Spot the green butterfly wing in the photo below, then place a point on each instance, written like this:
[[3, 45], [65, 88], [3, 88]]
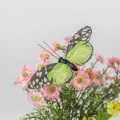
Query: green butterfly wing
[[60, 74], [80, 53]]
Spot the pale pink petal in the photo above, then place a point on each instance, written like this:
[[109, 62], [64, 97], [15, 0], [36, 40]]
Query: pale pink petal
[[25, 84], [107, 76], [16, 80], [99, 57], [90, 72], [118, 68], [111, 62], [54, 45], [116, 78], [63, 47], [67, 39], [97, 78]]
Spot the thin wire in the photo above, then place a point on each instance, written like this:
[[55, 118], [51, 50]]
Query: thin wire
[[47, 51], [51, 48]]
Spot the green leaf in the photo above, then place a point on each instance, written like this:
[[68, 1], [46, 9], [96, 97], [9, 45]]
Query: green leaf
[[102, 115], [100, 112], [97, 117]]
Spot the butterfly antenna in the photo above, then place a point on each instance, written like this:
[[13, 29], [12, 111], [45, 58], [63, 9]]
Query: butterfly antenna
[[51, 48], [47, 51]]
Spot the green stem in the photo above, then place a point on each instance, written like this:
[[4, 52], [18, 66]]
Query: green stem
[[117, 72], [73, 104], [105, 71], [27, 90], [59, 108], [94, 63]]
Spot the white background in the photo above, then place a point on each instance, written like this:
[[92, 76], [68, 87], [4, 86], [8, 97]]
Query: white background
[[25, 23]]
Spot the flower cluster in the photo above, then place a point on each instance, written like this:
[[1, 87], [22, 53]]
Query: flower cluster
[[114, 63], [51, 92], [56, 46], [88, 90]]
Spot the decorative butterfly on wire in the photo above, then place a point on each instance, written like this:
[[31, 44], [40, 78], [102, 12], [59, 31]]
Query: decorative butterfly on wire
[[78, 52]]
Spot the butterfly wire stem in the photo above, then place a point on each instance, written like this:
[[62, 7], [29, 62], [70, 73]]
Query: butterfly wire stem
[[47, 51], [51, 48]]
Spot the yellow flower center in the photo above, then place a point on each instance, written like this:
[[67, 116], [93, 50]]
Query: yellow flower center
[[25, 74], [115, 108], [36, 98], [80, 80], [97, 76], [112, 63], [100, 57], [51, 89], [90, 76]]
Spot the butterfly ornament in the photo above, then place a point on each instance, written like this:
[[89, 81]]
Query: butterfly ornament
[[78, 52]]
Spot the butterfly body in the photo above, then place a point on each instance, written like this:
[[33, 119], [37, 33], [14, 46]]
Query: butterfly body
[[78, 52], [71, 65]]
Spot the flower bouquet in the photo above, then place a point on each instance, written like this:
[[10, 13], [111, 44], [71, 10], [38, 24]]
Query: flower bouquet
[[67, 90]]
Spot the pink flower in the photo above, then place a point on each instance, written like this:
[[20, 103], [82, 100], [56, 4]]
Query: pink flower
[[67, 39], [116, 60], [63, 47], [81, 81], [90, 72], [99, 57], [114, 63], [44, 55], [54, 45], [36, 98], [16, 81], [111, 62], [118, 68], [107, 76], [51, 92], [40, 65], [25, 73], [97, 77]]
